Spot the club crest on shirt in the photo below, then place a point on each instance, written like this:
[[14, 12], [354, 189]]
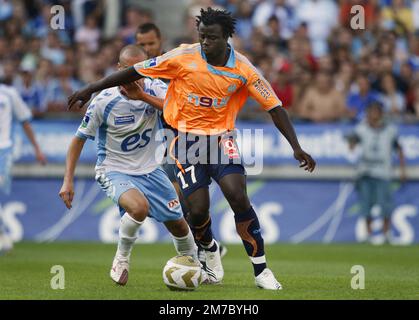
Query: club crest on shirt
[[85, 121]]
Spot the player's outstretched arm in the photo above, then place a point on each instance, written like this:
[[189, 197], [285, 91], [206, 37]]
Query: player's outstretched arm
[[81, 97], [134, 91], [282, 122], [73, 154], [40, 157]]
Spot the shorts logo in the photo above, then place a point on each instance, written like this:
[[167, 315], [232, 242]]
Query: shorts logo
[[124, 120], [230, 148], [149, 63], [173, 204]]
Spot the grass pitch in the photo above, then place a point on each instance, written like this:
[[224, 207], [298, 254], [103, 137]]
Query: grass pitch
[[306, 271]]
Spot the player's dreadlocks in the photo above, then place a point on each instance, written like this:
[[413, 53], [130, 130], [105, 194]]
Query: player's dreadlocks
[[221, 17]]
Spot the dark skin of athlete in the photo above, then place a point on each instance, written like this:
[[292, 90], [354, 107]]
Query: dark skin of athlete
[[215, 46]]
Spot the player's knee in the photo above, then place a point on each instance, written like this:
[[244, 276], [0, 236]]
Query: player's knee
[[138, 209], [198, 209], [239, 201]]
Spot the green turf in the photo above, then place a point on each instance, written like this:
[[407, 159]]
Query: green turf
[[309, 271]]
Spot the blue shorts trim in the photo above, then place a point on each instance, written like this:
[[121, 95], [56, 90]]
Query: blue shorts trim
[[155, 186]]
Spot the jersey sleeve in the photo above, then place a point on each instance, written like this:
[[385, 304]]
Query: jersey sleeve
[[20, 109], [166, 66], [91, 122], [156, 88], [260, 89]]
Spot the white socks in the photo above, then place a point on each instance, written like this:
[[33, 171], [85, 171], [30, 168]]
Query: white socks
[[186, 245], [127, 235]]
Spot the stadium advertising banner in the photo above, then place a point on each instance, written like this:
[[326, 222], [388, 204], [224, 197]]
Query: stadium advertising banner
[[326, 143], [289, 211]]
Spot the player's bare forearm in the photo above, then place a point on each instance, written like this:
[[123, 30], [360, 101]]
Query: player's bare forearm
[[30, 134], [135, 92], [81, 97], [66, 192], [40, 157], [157, 103], [282, 122], [73, 155]]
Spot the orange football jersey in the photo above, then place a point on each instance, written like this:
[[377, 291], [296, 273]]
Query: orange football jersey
[[205, 99]]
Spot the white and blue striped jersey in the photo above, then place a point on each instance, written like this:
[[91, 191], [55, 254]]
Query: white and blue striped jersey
[[376, 146], [126, 130], [12, 107]]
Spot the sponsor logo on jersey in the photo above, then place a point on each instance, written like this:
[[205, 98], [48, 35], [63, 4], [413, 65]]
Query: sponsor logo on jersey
[[136, 141], [149, 63], [124, 120], [85, 121], [260, 87], [207, 101]]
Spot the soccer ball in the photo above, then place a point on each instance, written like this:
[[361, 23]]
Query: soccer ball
[[182, 273]]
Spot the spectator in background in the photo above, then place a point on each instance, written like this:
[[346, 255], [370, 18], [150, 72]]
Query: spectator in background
[[283, 87], [89, 34], [360, 97], [413, 58], [397, 17], [284, 14], [321, 16], [148, 37], [134, 16], [344, 78], [30, 91], [244, 27], [393, 101], [52, 49], [301, 80], [60, 87], [377, 139], [271, 34], [322, 102]]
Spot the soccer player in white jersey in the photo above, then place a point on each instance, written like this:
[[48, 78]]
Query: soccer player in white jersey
[[127, 167], [12, 108]]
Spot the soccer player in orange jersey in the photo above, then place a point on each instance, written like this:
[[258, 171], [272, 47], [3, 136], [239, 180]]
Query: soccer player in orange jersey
[[149, 38], [210, 82]]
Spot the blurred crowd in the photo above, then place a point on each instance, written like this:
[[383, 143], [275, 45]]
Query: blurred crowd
[[320, 64]]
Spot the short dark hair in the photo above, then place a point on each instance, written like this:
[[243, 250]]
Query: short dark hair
[[147, 27], [375, 104], [212, 16]]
